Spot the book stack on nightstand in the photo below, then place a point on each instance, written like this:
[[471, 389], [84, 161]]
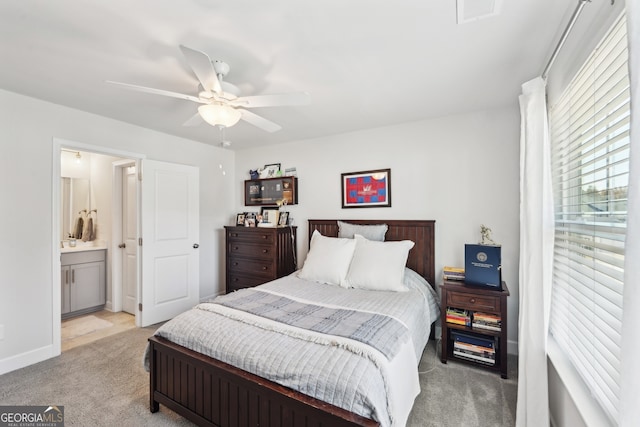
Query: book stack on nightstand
[[458, 316], [475, 348], [488, 321]]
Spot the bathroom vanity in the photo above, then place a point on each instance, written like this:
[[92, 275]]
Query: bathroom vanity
[[83, 281]]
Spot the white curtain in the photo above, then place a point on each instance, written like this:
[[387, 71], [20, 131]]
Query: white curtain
[[536, 256], [630, 366]]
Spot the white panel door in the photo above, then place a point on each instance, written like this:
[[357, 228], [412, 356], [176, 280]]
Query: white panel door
[[170, 232], [129, 240]]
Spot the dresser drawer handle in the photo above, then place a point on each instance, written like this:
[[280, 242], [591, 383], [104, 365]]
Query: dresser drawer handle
[[264, 236], [264, 268], [472, 300], [234, 234], [235, 263], [264, 251]]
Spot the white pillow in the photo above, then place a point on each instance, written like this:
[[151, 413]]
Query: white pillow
[[378, 266], [371, 232], [328, 259]]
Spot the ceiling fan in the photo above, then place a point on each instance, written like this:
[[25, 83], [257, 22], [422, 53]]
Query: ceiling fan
[[221, 105]]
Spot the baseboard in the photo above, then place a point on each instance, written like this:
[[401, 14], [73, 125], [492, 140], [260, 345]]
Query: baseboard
[[25, 359]]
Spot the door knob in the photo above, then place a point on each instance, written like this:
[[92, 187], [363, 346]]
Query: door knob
[[196, 246], [122, 245]]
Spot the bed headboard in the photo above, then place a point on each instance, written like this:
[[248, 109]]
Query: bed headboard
[[422, 232]]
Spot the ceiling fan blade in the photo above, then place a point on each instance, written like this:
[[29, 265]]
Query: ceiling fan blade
[[195, 120], [258, 121], [294, 98], [158, 91], [201, 65]]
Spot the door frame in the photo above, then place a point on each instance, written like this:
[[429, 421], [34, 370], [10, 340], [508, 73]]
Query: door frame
[[57, 145]]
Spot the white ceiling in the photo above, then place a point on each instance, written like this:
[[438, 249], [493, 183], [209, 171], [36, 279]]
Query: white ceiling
[[365, 63]]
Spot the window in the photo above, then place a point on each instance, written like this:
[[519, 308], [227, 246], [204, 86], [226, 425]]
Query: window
[[589, 129]]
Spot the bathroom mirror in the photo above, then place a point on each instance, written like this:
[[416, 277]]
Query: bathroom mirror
[[76, 197]]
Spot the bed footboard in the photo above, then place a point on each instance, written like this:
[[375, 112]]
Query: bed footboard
[[209, 392]]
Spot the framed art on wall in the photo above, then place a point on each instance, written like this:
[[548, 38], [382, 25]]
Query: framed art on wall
[[268, 192], [366, 189]]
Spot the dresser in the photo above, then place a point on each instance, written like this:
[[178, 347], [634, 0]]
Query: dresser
[[256, 255]]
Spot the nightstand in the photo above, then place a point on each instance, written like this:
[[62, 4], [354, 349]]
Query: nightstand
[[472, 299]]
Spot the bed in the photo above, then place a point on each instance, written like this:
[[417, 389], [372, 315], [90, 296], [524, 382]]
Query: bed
[[197, 384]]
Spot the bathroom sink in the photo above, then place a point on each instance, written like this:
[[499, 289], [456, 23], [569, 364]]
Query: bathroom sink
[[82, 246]]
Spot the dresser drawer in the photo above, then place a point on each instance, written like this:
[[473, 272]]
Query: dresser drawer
[[252, 235], [239, 281], [473, 302], [250, 250], [257, 267]]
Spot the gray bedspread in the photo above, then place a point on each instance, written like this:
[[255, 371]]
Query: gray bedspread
[[337, 370], [384, 333]]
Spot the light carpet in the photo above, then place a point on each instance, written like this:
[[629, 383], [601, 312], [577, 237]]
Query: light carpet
[[104, 384]]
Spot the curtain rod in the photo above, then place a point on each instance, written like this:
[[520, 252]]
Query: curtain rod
[[563, 38]]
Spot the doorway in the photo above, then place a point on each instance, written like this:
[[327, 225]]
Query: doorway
[[104, 169], [170, 260]]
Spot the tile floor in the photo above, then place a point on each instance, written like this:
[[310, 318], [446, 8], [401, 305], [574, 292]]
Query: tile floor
[[120, 321]]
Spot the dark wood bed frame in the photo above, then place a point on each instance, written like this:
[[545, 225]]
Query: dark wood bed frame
[[209, 392]]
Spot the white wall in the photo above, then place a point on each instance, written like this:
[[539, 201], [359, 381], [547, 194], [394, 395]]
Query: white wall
[[462, 171], [27, 129]]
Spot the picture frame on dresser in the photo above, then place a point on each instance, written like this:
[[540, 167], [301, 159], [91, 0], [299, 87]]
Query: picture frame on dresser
[[283, 221], [270, 217], [240, 219]]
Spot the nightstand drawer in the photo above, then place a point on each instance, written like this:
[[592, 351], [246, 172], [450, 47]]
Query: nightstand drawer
[[257, 267], [473, 302], [251, 251]]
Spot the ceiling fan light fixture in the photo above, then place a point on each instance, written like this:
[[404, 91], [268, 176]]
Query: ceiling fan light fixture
[[219, 114]]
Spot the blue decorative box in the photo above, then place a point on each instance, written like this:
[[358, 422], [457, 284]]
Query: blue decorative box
[[483, 266]]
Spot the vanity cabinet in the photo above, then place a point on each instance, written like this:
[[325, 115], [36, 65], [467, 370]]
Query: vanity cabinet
[[83, 282]]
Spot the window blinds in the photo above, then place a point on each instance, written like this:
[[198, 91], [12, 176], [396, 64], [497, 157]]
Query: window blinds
[[589, 129]]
